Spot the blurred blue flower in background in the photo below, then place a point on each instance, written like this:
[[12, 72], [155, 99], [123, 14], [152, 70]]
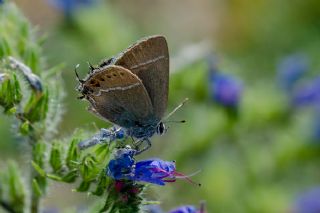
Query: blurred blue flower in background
[[225, 89], [308, 202], [291, 69], [181, 209], [68, 7], [316, 124], [184, 209], [153, 209], [308, 94]]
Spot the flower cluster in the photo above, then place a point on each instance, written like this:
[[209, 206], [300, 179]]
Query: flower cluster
[[291, 71], [301, 90], [126, 172]]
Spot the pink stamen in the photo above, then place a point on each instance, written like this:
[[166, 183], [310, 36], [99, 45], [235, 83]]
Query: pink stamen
[[170, 180], [180, 175]]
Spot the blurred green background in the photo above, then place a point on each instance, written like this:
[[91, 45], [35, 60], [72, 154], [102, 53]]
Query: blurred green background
[[259, 161]]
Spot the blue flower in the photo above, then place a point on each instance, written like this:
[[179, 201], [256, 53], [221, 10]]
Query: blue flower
[[122, 166], [185, 209], [69, 6], [156, 171], [225, 89], [308, 202], [291, 69], [308, 94]]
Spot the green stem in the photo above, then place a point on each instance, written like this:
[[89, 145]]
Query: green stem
[[34, 202]]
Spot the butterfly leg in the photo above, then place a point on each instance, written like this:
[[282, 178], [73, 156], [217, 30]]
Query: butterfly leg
[[148, 145]]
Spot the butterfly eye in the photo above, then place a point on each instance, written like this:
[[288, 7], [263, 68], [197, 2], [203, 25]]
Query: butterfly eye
[[161, 129]]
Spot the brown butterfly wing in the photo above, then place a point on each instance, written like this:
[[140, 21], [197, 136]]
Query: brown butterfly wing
[[118, 96], [149, 60]]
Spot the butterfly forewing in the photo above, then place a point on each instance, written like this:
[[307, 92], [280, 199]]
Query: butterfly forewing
[[119, 96], [149, 60]]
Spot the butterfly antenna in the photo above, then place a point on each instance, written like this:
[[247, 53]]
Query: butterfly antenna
[[175, 109], [90, 66], [75, 70], [182, 121]]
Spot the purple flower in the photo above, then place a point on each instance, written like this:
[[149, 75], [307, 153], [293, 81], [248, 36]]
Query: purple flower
[[225, 89], [69, 6], [307, 94], [308, 202], [291, 69], [155, 171]]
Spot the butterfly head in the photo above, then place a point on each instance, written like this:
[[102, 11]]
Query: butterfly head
[[82, 87]]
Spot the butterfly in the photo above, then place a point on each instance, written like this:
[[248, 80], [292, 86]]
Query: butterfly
[[131, 89]]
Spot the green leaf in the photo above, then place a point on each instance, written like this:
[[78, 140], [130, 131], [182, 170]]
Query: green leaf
[[36, 188], [17, 193], [10, 93], [55, 177], [5, 49], [89, 168], [25, 128], [37, 107], [32, 59], [56, 157], [103, 182], [73, 155], [84, 186], [71, 176], [40, 171]]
